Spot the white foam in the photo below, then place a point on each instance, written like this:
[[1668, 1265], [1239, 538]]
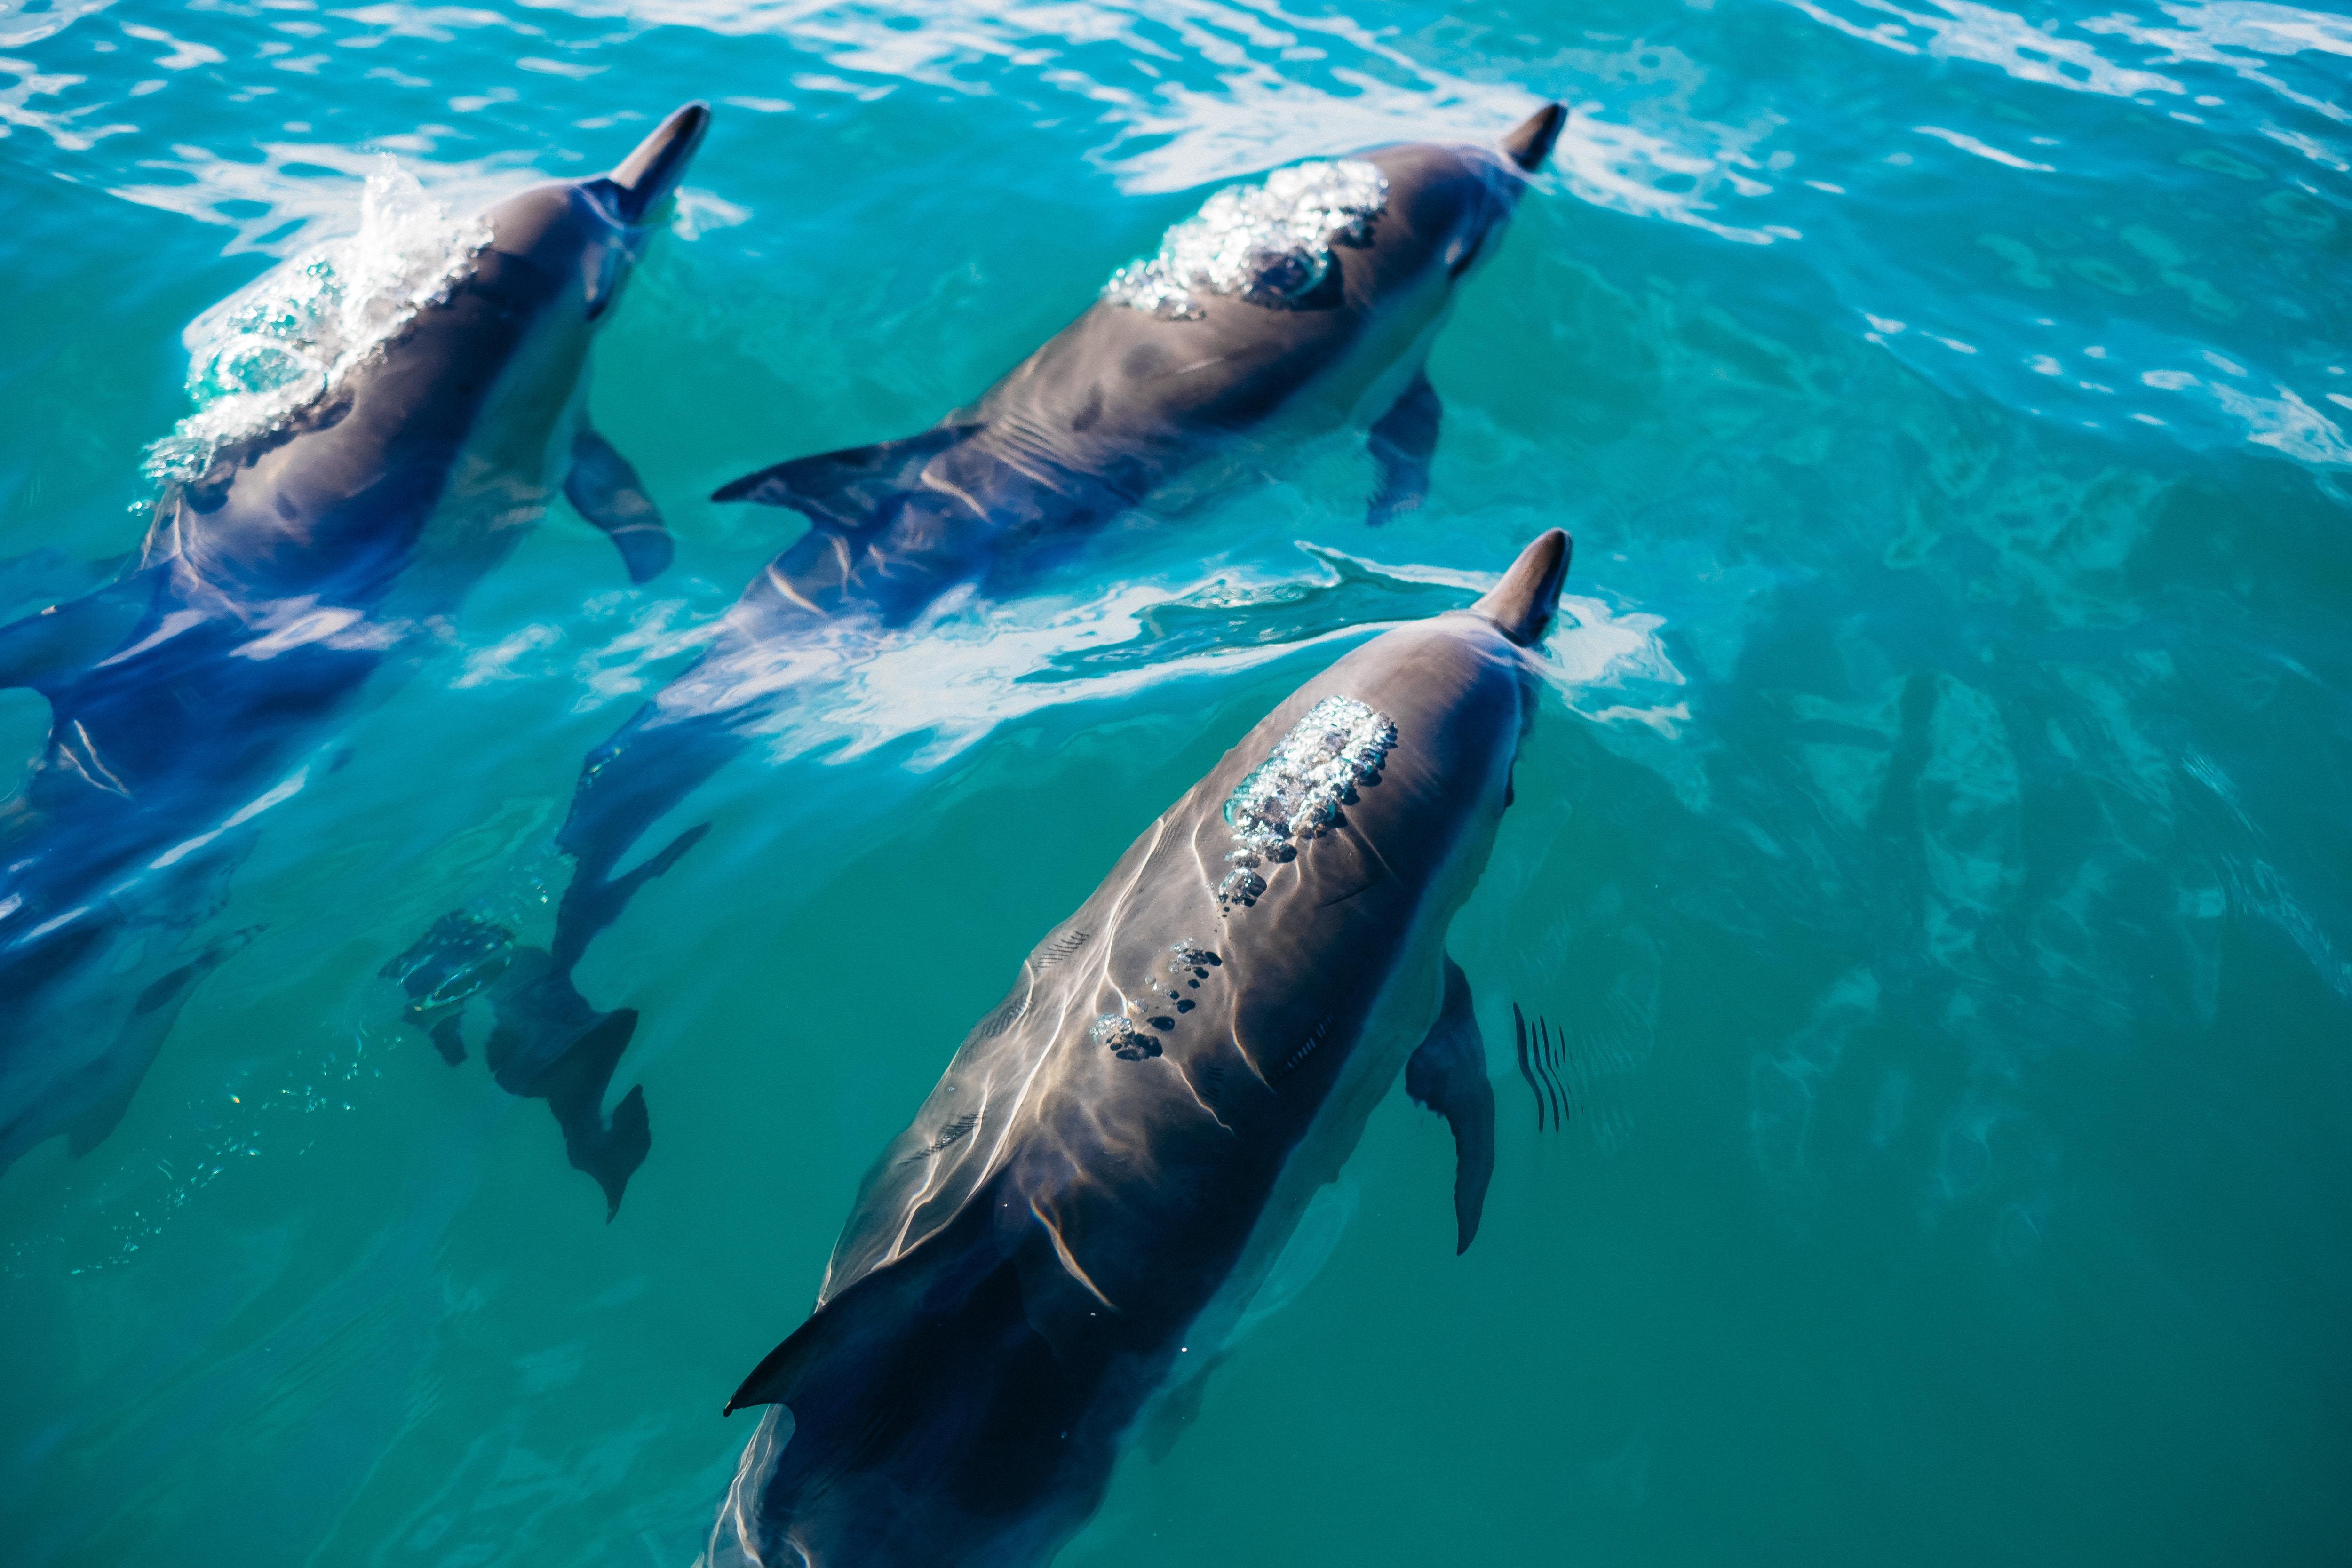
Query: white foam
[[2285, 424], [1269, 242], [934, 689], [2002, 39], [2225, 34], [289, 337], [1225, 92]]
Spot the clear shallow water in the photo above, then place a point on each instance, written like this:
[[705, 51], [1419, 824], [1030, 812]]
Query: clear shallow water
[[1933, 855]]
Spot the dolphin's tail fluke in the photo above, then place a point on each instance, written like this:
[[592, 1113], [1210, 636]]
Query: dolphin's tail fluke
[[1522, 605], [608, 1151], [546, 1043], [549, 1043], [852, 488]]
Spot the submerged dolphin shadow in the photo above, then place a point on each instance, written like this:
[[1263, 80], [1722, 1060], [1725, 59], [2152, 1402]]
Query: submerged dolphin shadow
[[546, 1042]]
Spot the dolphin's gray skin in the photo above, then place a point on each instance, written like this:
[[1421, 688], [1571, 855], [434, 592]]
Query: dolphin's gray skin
[[270, 591], [1113, 409], [1124, 400], [1090, 1197]]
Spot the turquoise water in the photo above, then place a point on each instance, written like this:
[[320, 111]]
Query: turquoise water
[[1933, 849]]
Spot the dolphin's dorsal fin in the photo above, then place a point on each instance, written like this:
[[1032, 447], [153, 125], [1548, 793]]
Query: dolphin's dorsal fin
[[1521, 605], [1448, 1075], [847, 490], [650, 173], [603, 489], [42, 651], [1529, 142]]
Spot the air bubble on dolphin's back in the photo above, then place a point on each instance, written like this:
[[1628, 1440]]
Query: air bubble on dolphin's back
[[1297, 793], [1269, 242], [288, 338]]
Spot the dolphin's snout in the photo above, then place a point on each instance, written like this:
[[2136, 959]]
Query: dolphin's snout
[[643, 179], [1530, 142], [1522, 605]]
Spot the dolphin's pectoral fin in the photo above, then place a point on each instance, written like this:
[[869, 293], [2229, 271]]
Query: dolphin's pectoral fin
[[1448, 1075], [94, 1126], [603, 489], [846, 489], [895, 1306], [100, 1120], [1402, 443], [41, 651]]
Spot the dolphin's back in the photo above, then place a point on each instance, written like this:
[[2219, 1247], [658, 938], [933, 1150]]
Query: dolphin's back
[[1124, 400], [334, 500], [1121, 386], [1247, 995], [271, 588], [1127, 1135]]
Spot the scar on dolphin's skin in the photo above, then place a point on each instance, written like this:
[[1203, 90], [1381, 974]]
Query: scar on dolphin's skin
[[1548, 1057], [1060, 948], [956, 1130]]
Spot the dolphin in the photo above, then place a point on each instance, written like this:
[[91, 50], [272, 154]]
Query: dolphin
[[1075, 1224], [1287, 307], [1282, 308], [273, 587]]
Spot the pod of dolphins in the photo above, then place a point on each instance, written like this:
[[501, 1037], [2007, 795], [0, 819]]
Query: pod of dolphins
[[1060, 1247]]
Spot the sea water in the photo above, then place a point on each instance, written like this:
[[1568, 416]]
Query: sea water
[[1930, 864]]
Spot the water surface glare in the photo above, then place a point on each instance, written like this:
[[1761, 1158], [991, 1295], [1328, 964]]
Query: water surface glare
[[1931, 860]]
